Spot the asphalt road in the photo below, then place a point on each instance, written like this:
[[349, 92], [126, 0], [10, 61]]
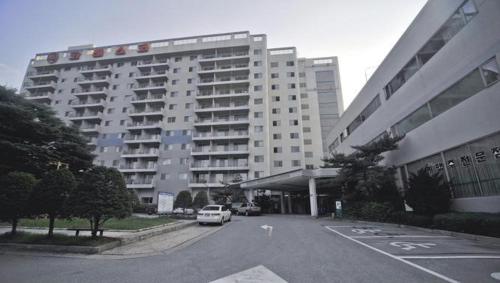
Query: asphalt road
[[299, 249]]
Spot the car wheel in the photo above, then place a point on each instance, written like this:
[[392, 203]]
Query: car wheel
[[229, 220], [246, 213], [221, 221]]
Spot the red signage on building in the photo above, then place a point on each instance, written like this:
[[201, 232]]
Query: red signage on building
[[143, 47], [74, 55], [98, 52], [52, 58], [120, 51]]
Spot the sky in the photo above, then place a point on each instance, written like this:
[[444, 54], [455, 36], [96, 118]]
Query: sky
[[359, 32]]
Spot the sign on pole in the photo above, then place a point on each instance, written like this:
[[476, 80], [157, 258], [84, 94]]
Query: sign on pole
[[165, 202], [338, 208]]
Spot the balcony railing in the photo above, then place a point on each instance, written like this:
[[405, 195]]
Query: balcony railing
[[144, 124], [228, 93], [138, 166], [150, 74], [91, 90], [88, 102], [43, 73], [224, 55], [150, 151], [140, 182], [219, 165], [149, 97], [152, 85], [142, 137], [93, 79], [145, 111]]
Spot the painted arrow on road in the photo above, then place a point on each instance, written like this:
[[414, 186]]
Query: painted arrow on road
[[268, 228]]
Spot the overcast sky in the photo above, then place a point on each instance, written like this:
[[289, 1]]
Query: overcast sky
[[359, 32]]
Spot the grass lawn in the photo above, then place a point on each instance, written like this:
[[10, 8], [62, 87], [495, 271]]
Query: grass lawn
[[131, 223], [58, 239]]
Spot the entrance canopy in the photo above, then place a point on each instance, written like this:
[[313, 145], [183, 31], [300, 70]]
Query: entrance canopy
[[295, 180]]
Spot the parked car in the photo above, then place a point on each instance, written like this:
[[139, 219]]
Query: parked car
[[234, 207], [213, 214], [189, 211], [248, 209], [178, 210]]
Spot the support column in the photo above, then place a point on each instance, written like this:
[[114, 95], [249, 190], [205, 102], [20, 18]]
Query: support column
[[289, 203], [313, 197], [250, 195], [282, 202]]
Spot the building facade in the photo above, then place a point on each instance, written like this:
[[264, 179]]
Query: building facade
[[439, 87], [192, 113]]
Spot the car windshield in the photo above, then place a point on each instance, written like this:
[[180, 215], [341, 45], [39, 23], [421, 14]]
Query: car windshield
[[211, 208]]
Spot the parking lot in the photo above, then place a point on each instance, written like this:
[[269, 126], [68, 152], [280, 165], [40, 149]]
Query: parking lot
[[449, 258]]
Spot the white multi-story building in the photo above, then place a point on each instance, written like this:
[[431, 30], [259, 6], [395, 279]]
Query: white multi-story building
[[439, 87], [192, 113]]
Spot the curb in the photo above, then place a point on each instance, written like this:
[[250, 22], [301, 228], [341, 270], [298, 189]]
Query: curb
[[473, 237], [106, 230], [98, 249]]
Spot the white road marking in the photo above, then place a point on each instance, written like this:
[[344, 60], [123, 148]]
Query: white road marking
[[495, 275], [268, 228], [399, 236], [362, 231], [253, 275], [451, 257], [447, 279], [408, 246]]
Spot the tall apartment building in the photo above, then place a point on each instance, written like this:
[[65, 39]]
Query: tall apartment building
[[439, 87], [192, 113]]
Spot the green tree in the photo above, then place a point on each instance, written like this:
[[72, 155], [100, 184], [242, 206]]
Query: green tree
[[200, 200], [15, 190], [427, 193], [51, 194], [33, 140], [100, 196], [183, 200], [361, 177]]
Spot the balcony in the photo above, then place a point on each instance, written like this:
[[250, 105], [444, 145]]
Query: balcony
[[146, 112], [42, 97], [134, 167], [219, 166], [93, 80], [223, 81], [223, 69], [90, 128], [222, 107], [225, 56], [209, 94], [152, 86], [147, 98], [96, 69], [140, 184], [144, 125], [85, 116], [92, 141], [151, 75], [234, 120], [40, 85], [52, 74], [88, 103], [136, 153], [142, 138], [228, 150], [201, 136], [153, 63], [95, 91]]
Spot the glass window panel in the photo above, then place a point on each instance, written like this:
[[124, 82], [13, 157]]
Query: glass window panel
[[452, 26], [416, 119], [469, 10], [463, 89], [461, 172], [490, 71], [410, 69], [433, 164], [486, 156]]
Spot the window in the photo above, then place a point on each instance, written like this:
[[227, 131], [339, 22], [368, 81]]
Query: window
[[276, 123], [490, 72], [305, 117], [117, 76], [186, 132], [193, 57], [414, 120], [290, 74], [185, 146], [107, 123], [277, 149], [275, 75], [169, 133], [57, 101], [111, 110], [258, 143], [258, 174], [290, 64], [122, 122], [258, 114], [187, 105], [258, 129], [294, 135], [295, 149], [259, 158], [258, 101], [292, 110], [130, 75], [276, 136], [174, 82], [304, 106], [308, 154], [309, 166], [183, 176], [302, 75], [184, 161], [178, 59], [307, 141], [120, 64], [115, 87], [303, 95], [295, 163], [112, 98], [124, 110], [163, 176], [176, 70], [278, 163], [291, 86], [186, 118], [275, 98], [172, 106], [257, 75], [174, 94], [190, 69], [367, 111], [168, 147], [292, 97], [257, 88], [257, 51], [293, 122], [257, 63], [275, 87], [274, 64], [189, 81], [171, 120], [306, 129], [276, 111]]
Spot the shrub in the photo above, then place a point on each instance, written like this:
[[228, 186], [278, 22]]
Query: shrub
[[375, 211], [475, 223], [428, 194], [200, 200], [183, 200], [416, 219]]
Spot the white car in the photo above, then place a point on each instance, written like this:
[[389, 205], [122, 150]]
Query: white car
[[213, 214], [178, 210]]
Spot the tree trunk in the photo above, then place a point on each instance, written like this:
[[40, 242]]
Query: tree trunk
[[51, 225], [14, 227], [95, 228]]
